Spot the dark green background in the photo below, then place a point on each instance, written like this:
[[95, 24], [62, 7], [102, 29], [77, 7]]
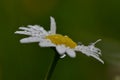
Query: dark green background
[[82, 20]]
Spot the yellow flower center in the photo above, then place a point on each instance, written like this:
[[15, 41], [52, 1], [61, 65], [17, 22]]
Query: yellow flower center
[[60, 39]]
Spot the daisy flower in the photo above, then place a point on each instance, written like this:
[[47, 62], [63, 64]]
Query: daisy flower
[[64, 45]]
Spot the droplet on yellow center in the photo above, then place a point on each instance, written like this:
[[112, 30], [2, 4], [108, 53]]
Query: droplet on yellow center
[[60, 39]]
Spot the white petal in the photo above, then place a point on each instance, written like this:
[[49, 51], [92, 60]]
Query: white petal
[[52, 26], [97, 57], [89, 50], [25, 28], [30, 40], [23, 32], [35, 27], [37, 30], [46, 43], [60, 49], [84, 49], [96, 41], [71, 53], [62, 56]]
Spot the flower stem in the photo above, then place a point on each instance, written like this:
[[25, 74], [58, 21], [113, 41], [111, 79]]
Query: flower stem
[[52, 66]]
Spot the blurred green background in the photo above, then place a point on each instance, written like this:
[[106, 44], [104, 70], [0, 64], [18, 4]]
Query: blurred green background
[[83, 20]]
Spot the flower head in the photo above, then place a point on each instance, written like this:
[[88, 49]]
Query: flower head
[[63, 44]]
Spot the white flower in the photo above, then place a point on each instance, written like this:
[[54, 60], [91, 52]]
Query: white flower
[[63, 44]]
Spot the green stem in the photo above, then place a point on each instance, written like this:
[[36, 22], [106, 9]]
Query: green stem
[[52, 66]]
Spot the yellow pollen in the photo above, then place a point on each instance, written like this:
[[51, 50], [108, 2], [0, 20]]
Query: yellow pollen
[[60, 39]]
